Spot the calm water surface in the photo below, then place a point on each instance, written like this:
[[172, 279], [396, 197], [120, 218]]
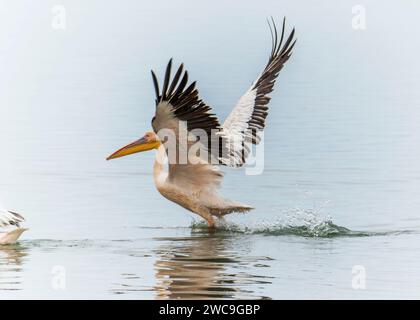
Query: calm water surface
[[341, 181]]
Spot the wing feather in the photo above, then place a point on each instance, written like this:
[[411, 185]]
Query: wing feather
[[182, 103], [180, 109], [243, 125]]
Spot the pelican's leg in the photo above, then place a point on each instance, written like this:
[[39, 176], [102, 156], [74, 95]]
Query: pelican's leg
[[206, 215], [211, 222]]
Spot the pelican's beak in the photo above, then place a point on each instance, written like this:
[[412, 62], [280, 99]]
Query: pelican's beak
[[134, 147]]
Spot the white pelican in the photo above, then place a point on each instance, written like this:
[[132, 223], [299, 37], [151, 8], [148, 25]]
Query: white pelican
[[193, 183], [10, 221]]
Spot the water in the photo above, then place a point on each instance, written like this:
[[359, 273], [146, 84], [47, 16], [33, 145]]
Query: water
[[340, 187]]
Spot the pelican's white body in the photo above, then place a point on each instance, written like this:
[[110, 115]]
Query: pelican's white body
[[11, 236], [180, 119]]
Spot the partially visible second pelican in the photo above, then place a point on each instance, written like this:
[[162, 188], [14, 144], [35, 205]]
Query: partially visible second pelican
[[193, 183], [10, 223]]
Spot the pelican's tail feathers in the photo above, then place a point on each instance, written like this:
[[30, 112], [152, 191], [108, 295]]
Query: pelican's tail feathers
[[230, 207]]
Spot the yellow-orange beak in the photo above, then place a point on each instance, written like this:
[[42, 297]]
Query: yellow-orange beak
[[134, 147]]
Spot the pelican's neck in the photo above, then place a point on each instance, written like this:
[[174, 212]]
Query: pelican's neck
[[159, 173]]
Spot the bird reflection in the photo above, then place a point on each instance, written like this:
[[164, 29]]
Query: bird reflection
[[202, 267], [11, 266]]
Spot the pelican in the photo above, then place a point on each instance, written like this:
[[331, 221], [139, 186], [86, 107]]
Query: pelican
[[194, 182], [10, 222]]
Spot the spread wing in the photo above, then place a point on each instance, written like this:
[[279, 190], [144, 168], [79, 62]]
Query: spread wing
[[189, 130], [185, 123], [247, 119]]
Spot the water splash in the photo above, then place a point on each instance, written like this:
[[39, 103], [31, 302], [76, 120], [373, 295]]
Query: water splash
[[295, 222]]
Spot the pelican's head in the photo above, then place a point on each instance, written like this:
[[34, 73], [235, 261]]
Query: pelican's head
[[149, 141]]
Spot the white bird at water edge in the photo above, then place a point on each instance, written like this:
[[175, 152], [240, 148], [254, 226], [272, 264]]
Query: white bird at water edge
[[193, 184], [10, 229]]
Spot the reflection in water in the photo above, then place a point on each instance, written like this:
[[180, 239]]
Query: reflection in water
[[11, 260], [204, 266], [199, 266]]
